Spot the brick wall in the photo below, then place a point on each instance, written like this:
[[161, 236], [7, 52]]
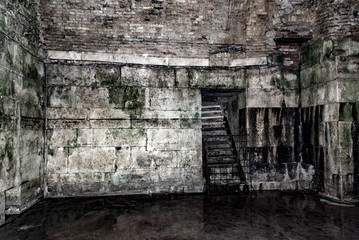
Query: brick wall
[[195, 28]]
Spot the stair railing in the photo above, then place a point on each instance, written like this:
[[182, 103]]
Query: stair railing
[[239, 166]]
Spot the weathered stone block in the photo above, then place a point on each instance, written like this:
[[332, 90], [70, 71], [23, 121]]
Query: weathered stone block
[[104, 124], [345, 156], [123, 160], [89, 97], [108, 113], [57, 160], [332, 133], [162, 114], [8, 106], [129, 98], [84, 137], [331, 112], [173, 139], [189, 159], [11, 83], [67, 113], [119, 137], [318, 74], [345, 139], [348, 67], [67, 124], [255, 79], [61, 97], [167, 174], [266, 97], [291, 98], [163, 158], [217, 79], [156, 123], [347, 112], [182, 78], [61, 137], [31, 111], [332, 92], [147, 77], [81, 160], [32, 163], [105, 75], [71, 75], [103, 159], [175, 99], [348, 91]]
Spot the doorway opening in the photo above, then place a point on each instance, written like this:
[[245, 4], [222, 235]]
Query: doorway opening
[[225, 166]]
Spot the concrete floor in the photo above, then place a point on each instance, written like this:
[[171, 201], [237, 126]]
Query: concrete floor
[[272, 215]]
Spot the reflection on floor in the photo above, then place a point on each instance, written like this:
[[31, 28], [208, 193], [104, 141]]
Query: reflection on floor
[[272, 215]]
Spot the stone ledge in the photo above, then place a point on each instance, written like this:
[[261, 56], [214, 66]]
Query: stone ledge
[[145, 60]]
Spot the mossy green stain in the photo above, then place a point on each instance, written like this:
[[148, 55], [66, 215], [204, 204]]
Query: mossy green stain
[[202, 78], [130, 99], [186, 123], [32, 79], [116, 96], [108, 79]]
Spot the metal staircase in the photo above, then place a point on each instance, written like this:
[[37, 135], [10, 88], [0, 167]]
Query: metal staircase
[[222, 167]]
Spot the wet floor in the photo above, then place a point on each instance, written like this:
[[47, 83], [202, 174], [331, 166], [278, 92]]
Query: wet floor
[[272, 215]]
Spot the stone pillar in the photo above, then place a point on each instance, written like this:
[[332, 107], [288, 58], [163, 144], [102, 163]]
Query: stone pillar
[[329, 98]]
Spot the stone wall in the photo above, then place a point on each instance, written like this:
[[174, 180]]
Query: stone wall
[[273, 129], [329, 79], [117, 129], [123, 94], [104, 112], [122, 129], [21, 106]]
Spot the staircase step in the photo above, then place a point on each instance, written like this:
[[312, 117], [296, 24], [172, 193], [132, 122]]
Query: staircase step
[[214, 129], [217, 142], [212, 123], [212, 117], [228, 152], [209, 127], [210, 105], [222, 159], [211, 109], [221, 148], [216, 136], [223, 164]]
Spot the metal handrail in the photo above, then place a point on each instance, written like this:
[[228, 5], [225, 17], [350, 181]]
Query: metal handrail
[[239, 166]]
